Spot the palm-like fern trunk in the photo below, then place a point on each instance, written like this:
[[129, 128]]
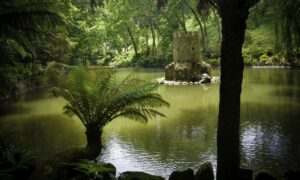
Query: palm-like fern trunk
[[94, 143]]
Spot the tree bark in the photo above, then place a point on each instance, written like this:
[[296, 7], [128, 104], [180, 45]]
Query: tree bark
[[132, 39], [153, 38], [182, 23], [203, 39], [94, 143], [234, 14], [147, 43], [218, 25]]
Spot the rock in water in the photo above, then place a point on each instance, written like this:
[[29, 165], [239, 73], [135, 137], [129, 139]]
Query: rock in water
[[186, 71], [182, 175], [205, 172], [138, 176], [264, 176], [205, 78]]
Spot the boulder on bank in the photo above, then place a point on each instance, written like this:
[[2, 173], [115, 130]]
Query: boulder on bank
[[205, 78], [134, 175], [205, 172], [264, 176], [246, 174], [186, 71], [169, 71], [292, 175], [87, 170], [182, 175]]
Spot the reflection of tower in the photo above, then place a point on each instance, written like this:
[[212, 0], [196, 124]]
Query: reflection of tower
[[186, 47]]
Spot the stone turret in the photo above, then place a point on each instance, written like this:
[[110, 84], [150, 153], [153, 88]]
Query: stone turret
[[186, 47], [187, 65]]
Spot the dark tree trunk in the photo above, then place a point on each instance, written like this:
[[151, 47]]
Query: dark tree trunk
[[182, 23], [147, 44], [203, 39], [234, 14], [94, 143], [133, 41], [218, 25], [153, 38], [277, 40]]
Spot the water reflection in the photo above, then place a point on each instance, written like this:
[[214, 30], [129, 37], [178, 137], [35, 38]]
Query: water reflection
[[187, 137], [45, 134], [269, 137]]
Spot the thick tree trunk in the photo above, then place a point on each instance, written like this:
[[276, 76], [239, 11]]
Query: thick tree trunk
[[234, 14], [94, 143]]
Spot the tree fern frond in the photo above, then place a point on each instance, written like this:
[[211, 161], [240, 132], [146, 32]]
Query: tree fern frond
[[133, 114], [70, 111], [98, 98]]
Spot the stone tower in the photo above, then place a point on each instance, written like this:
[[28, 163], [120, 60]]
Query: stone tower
[[187, 65], [186, 47]]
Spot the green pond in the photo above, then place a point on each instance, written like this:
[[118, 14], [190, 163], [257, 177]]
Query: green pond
[[270, 126]]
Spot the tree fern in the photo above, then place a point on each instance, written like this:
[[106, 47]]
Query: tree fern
[[97, 98]]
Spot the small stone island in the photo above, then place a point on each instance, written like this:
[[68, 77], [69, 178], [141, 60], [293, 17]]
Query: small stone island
[[187, 68]]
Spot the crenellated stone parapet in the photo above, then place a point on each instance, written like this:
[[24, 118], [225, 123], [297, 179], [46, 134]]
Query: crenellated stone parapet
[[186, 47]]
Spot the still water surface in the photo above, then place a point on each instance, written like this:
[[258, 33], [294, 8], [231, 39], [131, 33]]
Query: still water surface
[[270, 126]]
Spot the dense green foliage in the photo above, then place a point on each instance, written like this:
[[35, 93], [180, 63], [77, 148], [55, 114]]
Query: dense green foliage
[[132, 33], [140, 32], [90, 167], [97, 98], [31, 33], [14, 162]]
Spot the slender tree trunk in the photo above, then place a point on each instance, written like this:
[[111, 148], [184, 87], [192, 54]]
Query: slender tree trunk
[[203, 39], [94, 143], [153, 38], [182, 23], [132, 39], [288, 42], [205, 31], [218, 25], [234, 14], [277, 40], [147, 44]]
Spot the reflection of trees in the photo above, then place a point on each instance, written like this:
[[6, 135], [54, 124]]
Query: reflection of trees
[[46, 134], [292, 94], [7, 109], [269, 135], [182, 137], [272, 76]]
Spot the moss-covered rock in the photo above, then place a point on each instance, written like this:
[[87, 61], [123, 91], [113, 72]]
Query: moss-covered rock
[[182, 175], [187, 71], [130, 175], [264, 176], [246, 174], [205, 172]]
